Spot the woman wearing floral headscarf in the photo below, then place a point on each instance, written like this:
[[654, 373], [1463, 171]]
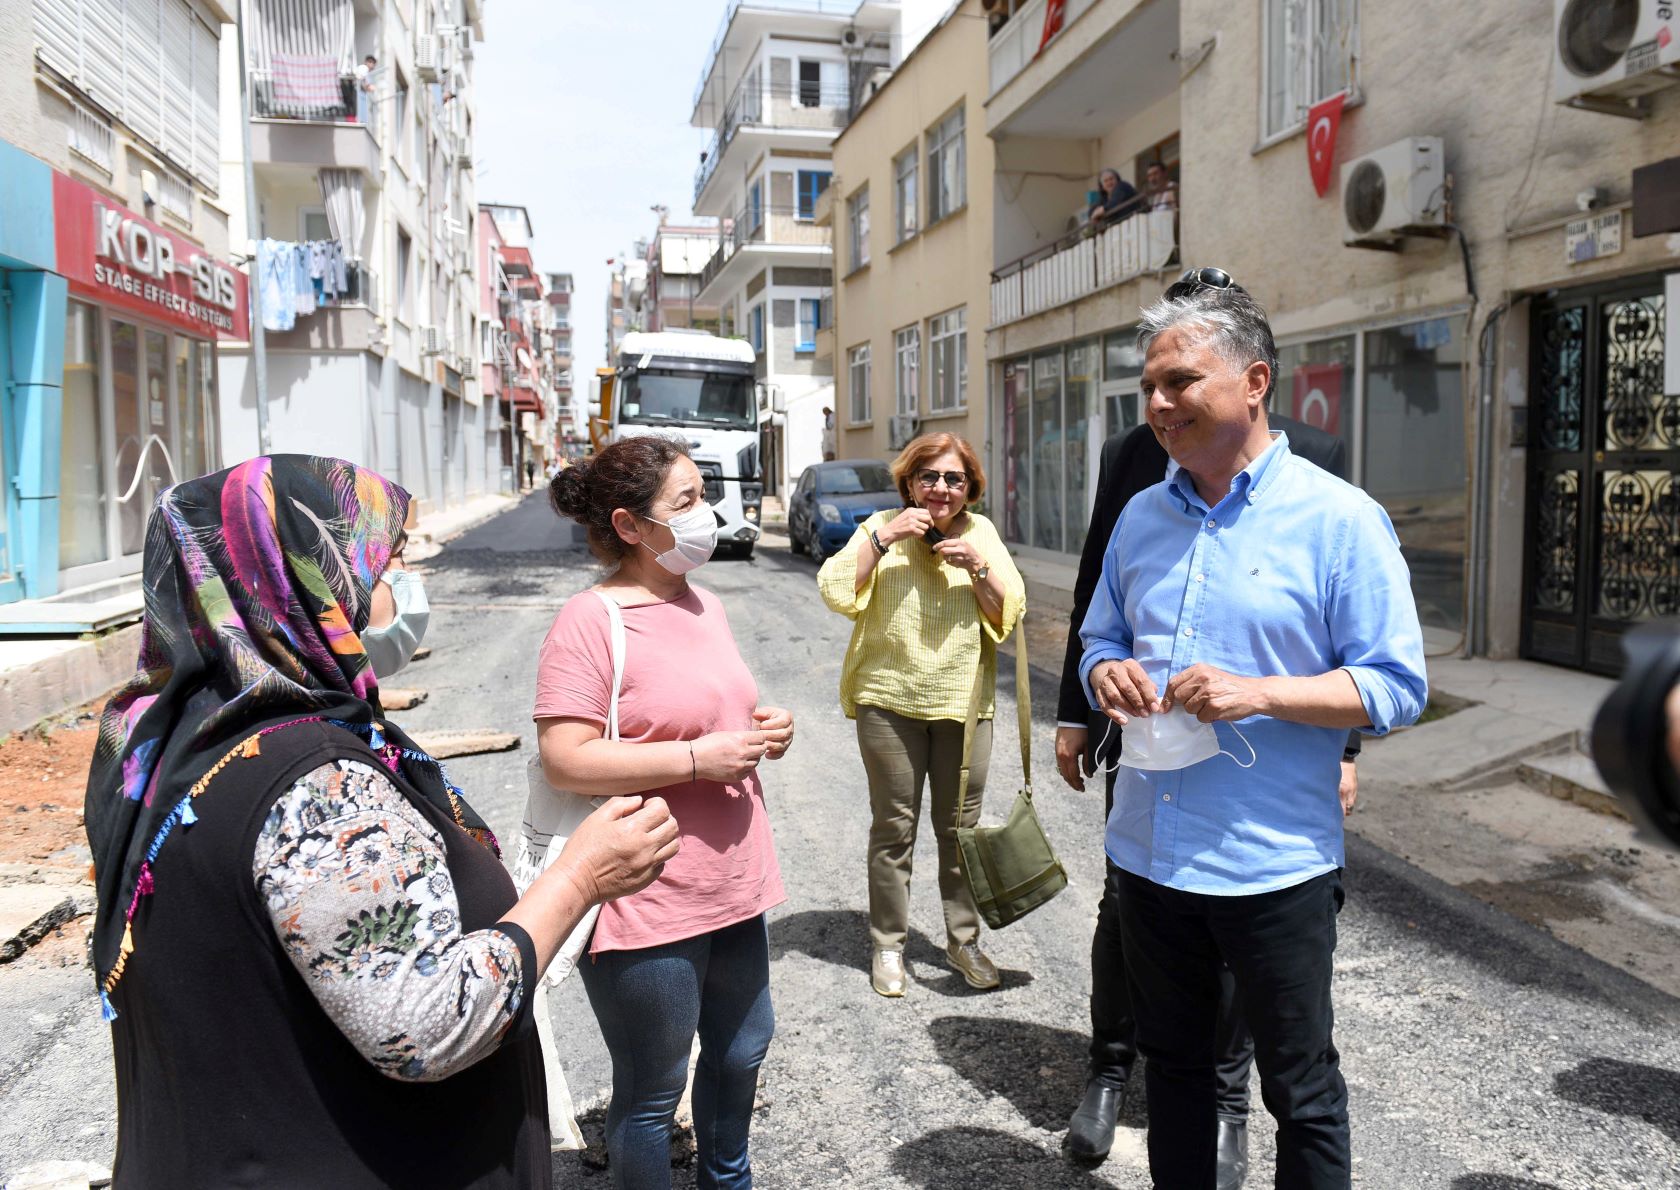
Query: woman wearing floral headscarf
[[315, 965]]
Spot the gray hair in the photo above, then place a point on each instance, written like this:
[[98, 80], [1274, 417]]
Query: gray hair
[[1228, 320]]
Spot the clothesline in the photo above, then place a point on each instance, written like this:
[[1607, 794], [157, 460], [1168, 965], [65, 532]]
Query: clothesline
[[296, 278]]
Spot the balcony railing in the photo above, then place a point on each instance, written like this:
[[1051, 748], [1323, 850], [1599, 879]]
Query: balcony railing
[[344, 102], [840, 8], [1017, 43], [763, 225], [1081, 264], [800, 106]]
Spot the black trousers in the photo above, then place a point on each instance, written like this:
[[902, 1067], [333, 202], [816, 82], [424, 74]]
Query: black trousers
[[1114, 1029], [1278, 947]]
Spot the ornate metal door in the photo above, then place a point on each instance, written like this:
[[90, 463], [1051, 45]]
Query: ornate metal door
[[1603, 532]]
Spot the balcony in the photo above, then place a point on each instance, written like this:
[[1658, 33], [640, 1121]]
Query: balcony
[[339, 128], [786, 117], [786, 17], [346, 323], [1018, 42], [761, 236], [1081, 264]]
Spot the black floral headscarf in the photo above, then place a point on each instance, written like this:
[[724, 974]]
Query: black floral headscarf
[[258, 582]]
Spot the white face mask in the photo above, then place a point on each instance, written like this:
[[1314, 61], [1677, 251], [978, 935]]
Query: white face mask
[[392, 647], [1171, 740], [696, 537]]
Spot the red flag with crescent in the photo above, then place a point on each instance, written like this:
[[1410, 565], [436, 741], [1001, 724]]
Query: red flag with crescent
[[1324, 120], [1054, 12]]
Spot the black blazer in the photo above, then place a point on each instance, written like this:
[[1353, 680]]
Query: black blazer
[[1133, 460]]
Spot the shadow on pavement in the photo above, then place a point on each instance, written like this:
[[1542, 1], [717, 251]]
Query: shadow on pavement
[[1647, 1093], [1040, 1070], [962, 1158], [1497, 1181], [841, 937]]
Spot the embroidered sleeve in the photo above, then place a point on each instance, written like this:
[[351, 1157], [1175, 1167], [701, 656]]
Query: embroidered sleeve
[[362, 901]]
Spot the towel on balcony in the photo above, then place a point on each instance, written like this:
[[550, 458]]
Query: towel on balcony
[[307, 86], [274, 278]]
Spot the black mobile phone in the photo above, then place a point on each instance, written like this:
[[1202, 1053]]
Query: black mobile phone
[[933, 536]]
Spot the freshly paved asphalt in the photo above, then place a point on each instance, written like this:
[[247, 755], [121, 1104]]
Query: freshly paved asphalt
[[1481, 1053]]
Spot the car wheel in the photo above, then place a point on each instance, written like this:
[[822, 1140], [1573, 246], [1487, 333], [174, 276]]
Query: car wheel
[[795, 543], [818, 554]]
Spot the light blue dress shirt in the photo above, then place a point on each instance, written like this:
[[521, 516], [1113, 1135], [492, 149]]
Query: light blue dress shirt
[[1294, 572]]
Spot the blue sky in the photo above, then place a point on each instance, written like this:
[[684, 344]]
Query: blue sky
[[583, 118]]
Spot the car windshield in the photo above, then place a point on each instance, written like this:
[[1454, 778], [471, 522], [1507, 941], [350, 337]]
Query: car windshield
[[655, 397], [859, 477]]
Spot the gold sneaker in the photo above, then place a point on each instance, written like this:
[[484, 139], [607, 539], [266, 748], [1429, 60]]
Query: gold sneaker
[[886, 972], [968, 960]]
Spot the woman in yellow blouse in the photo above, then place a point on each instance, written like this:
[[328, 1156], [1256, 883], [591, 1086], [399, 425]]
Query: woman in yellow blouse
[[926, 616]]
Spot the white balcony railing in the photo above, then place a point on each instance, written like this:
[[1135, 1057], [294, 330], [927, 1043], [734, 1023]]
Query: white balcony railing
[[1086, 265], [1017, 43]]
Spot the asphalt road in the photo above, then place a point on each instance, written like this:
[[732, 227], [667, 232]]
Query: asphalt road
[[1481, 1053]]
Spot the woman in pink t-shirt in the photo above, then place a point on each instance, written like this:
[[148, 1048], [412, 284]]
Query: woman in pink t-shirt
[[690, 951]]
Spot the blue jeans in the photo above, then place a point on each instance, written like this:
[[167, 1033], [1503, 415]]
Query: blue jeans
[[649, 1004]]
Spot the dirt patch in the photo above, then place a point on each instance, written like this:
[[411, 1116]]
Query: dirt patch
[[1540, 901], [43, 779]]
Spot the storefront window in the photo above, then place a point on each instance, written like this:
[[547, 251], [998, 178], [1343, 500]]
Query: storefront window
[[129, 421], [194, 419], [1047, 451], [160, 449], [1316, 383], [82, 500], [1414, 398], [1084, 437], [1017, 482]]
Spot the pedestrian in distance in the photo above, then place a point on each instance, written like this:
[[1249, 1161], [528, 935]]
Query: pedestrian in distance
[[1131, 461], [1253, 590], [316, 967], [932, 591], [689, 952]]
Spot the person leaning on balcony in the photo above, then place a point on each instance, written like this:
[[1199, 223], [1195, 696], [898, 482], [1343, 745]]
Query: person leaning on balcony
[[1116, 201], [1160, 192], [927, 619], [315, 966]]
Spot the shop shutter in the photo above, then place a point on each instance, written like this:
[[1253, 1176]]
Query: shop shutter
[[206, 127], [143, 70], [58, 36], [102, 52], [177, 31]]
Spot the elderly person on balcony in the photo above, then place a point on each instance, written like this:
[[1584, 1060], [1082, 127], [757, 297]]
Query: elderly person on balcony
[[1116, 202]]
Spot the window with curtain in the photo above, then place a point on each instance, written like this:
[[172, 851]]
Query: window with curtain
[[1311, 52], [948, 359], [857, 220], [907, 358], [947, 177], [810, 322], [857, 382], [811, 184], [904, 194], [755, 328]]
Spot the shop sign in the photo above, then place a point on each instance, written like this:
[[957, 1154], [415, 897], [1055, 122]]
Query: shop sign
[[113, 256], [1589, 239]]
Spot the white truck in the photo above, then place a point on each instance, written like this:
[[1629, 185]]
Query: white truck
[[699, 387]]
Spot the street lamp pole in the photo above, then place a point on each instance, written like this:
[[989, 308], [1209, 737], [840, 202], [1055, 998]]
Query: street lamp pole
[[259, 338]]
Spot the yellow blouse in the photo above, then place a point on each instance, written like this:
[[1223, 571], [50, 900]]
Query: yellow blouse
[[917, 623]]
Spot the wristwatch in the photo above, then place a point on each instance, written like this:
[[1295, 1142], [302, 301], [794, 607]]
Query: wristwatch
[[980, 575]]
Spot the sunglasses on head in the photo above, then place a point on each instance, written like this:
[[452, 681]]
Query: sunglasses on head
[[955, 480], [1196, 280]]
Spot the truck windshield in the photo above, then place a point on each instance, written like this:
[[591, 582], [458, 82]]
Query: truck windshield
[[654, 397]]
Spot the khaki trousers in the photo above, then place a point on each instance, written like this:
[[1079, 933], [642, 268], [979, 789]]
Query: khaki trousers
[[900, 755]]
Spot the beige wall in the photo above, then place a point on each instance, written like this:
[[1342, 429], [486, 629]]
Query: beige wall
[[941, 267]]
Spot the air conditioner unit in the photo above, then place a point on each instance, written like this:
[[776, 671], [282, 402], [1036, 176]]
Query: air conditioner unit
[[1606, 50], [900, 430], [851, 38], [1395, 191], [431, 340], [463, 152], [426, 58]]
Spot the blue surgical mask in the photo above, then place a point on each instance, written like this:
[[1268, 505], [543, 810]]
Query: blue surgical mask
[[392, 647]]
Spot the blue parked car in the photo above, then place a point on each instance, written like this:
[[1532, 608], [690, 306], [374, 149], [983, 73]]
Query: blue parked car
[[832, 499]]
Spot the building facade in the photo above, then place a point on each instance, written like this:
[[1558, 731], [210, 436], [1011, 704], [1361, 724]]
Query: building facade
[[117, 289], [676, 257], [1497, 368], [572, 420], [365, 246], [910, 210]]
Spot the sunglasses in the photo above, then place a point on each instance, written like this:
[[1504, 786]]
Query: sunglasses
[[1196, 280], [955, 480]]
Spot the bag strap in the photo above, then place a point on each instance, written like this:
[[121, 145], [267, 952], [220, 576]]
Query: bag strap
[[616, 617], [1023, 709]]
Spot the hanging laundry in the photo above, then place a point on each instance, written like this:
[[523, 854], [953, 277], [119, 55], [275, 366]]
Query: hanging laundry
[[275, 282], [303, 291], [306, 86]]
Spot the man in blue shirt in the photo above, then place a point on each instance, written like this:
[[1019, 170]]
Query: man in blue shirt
[[1253, 593]]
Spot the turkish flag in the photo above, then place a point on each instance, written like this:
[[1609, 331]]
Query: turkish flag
[[1318, 396], [1054, 11], [1324, 119]]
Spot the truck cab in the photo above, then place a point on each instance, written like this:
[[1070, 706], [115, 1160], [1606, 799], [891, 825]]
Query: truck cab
[[701, 388]]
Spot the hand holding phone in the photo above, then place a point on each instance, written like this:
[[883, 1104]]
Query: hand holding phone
[[933, 536]]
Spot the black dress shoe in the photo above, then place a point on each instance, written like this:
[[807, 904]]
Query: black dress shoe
[[1091, 1131], [1233, 1153]]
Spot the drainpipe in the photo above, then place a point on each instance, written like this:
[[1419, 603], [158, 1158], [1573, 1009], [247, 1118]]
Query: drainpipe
[[1481, 485], [259, 337]]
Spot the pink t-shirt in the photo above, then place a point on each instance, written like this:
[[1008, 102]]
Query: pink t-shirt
[[683, 678]]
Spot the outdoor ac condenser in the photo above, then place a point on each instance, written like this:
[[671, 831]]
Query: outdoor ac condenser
[[426, 57], [1607, 51], [1399, 188], [900, 430]]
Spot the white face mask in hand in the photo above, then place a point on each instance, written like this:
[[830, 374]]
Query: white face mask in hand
[[696, 537], [1170, 740]]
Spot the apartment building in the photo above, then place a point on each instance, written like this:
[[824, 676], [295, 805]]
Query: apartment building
[[910, 209], [117, 292], [1478, 302], [779, 84], [572, 419], [363, 245], [676, 256]]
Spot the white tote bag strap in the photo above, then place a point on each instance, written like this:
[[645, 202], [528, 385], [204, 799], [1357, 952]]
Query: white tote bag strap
[[616, 616]]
